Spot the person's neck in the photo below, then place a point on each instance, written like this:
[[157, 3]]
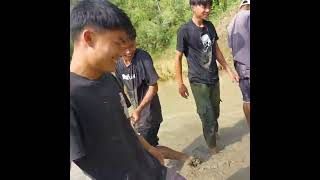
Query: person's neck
[[127, 61], [197, 21], [244, 8], [80, 67]]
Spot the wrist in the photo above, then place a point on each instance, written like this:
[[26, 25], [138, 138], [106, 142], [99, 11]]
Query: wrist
[[149, 148], [228, 69], [138, 110], [180, 84]]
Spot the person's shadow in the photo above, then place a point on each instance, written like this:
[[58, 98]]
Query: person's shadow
[[198, 147]]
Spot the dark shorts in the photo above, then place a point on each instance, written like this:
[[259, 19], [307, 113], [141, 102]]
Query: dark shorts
[[150, 134], [244, 82]]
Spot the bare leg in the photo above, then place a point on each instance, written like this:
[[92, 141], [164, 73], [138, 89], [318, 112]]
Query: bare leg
[[246, 109], [169, 153]]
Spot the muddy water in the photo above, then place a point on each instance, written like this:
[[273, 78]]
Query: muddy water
[[182, 131]]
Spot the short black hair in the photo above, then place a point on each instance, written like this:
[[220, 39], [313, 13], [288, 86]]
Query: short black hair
[[132, 35], [200, 2], [100, 14]]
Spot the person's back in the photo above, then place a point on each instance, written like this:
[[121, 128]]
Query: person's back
[[239, 37]]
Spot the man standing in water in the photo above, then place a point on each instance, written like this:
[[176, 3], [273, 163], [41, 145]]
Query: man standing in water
[[197, 40]]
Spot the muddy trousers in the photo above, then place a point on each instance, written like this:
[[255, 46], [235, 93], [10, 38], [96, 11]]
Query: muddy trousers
[[207, 98]]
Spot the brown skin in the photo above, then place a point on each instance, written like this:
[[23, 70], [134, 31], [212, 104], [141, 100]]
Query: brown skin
[[152, 150], [233, 76], [245, 7], [199, 13], [95, 53], [246, 110]]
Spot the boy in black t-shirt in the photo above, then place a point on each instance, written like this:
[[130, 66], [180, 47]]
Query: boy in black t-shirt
[[102, 141], [136, 72], [197, 40]]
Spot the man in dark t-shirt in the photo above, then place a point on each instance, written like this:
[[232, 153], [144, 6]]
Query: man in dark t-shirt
[[197, 40], [136, 72], [102, 141]]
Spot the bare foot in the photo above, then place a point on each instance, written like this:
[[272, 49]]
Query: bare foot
[[214, 150]]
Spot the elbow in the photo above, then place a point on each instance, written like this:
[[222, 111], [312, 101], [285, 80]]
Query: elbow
[[178, 56], [155, 90]]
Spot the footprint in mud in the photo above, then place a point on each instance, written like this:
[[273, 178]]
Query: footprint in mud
[[194, 162]]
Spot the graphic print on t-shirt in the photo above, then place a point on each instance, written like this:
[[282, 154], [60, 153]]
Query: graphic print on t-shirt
[[131, 80], [205, 39], [128, 76], [207, 51]]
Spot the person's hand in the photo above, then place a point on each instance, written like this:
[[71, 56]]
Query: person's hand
[[233, 76], [135, 116], [220, 67], [183, 91], [156, 154]]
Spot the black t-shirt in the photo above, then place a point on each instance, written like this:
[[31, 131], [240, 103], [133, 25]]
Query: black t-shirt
[[103, 143], [198, 45], [137, 78]]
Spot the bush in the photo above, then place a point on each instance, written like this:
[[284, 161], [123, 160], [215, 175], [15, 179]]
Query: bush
[[157, 21]]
